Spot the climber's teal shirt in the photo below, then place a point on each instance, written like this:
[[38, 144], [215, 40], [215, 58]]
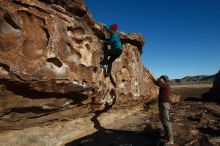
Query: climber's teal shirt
[[114, 41]]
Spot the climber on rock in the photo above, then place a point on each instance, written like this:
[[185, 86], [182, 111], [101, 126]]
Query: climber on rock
[[164, 105], [116, 48]]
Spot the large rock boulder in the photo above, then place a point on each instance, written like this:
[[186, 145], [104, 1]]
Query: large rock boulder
[[47, 50], [50, 53]]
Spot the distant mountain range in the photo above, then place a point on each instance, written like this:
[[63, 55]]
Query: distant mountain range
[[195, 79]]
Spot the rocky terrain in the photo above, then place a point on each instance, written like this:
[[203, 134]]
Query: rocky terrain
[[50, 53], [195, 123]]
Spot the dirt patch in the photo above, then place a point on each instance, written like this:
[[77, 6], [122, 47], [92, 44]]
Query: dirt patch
[[193, 123]]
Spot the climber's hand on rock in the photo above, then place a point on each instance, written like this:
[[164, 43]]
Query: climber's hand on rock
[[148, 70], [102, 24], [101, 41], [171, 107]]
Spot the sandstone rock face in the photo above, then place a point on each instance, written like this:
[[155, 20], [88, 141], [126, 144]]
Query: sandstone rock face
[[50, 54], [47, 50], [73, 7]]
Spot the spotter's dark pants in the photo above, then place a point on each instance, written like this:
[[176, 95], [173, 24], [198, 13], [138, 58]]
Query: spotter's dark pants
[[165, 119]]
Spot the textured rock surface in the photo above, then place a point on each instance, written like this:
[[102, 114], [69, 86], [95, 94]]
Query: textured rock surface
[[48, 50], [63, 132], [49, 64], [175, 98]]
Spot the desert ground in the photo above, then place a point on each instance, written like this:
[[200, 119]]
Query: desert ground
[[190, 90], [194, 121]]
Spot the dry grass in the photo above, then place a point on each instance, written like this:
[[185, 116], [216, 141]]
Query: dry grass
[[190, 90]]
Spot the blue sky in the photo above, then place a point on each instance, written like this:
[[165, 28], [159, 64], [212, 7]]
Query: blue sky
[[182, 37]]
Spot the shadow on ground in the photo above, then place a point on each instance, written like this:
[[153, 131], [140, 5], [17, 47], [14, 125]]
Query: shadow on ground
[[203, 99], [192, 98], [210, 131], [109, 137]]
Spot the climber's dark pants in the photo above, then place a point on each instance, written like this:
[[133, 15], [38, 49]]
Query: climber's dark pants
[[114, 54]]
